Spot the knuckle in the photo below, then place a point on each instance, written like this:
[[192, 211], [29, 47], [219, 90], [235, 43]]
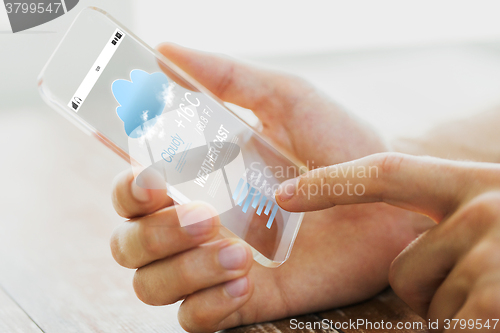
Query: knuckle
[[140, 288], [194, 321], [324, 176], [395, 280], [482, 257], [227, 80], [390, 162], [183, 271], [292, 91], [481, 213], [149, 237], [152, 287], [117, 249], [394, 270], [398, 274], [117, 193], [296, 83], [488, 205], [486, 301], [114, 244], [117, 205]]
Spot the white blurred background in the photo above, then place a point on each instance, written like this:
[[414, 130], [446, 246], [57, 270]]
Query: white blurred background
[[401, 65]]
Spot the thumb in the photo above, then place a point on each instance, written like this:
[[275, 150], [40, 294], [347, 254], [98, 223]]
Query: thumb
[[432, 186]]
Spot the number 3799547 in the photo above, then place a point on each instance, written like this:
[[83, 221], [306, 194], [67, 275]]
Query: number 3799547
[[40, 8]]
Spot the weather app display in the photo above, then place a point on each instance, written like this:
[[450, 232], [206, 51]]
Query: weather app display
[[184, 141], [161, 122]]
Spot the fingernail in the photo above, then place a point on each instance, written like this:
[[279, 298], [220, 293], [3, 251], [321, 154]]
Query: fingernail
[[233, 256], [200, 228], [287, 189], [238, 287], [197, 221], [139, 193], [151, 178]]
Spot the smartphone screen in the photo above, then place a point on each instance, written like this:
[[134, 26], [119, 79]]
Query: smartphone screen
[[109, 82]]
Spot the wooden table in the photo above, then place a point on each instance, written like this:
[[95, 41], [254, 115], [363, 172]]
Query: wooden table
[[56, 269]]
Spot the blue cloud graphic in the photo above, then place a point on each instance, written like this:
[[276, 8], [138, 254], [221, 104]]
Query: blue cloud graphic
[[141, 100]]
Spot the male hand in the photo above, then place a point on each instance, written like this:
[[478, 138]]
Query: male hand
[[451, 273], [340, 256]]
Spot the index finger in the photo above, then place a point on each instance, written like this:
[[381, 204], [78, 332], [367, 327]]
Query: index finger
[[431, 186], [232, 81]]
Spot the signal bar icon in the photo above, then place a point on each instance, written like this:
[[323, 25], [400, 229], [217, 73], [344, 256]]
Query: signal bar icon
[[259, 200]]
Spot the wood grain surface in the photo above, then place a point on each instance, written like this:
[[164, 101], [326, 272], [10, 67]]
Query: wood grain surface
[[386, 307], [56, 222], [13, 319], [56, 268]]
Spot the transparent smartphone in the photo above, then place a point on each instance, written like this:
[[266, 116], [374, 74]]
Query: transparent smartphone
[[134, 100]]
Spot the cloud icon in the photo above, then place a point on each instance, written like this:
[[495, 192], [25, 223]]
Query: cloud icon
[[141, 100]]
